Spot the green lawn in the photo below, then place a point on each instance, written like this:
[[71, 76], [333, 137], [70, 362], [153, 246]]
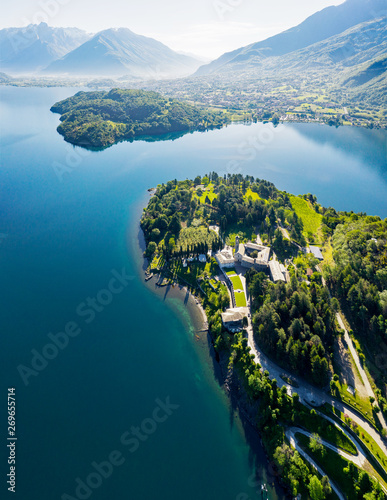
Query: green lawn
[[236, 282], [252, 195], [310, 219], [240, 299], [231, 272]]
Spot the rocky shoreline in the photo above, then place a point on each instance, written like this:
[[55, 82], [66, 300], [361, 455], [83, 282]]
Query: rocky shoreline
[[227, 377]]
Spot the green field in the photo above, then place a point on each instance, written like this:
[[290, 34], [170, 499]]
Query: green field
[[231, 272], [310, 219], [236, 282], [240, 299]]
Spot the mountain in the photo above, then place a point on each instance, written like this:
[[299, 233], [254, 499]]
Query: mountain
[[4, 78], [117, 52], [368, 72], [329, 22], [357, 45], [30, 49]]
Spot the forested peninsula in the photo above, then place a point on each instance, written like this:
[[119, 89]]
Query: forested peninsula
[[100, 119], [288, 286]]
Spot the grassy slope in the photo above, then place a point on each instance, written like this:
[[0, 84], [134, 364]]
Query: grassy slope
[[310, 219]]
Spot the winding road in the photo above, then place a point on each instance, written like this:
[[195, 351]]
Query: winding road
[[360, 368], [293, 441], [308, 393]]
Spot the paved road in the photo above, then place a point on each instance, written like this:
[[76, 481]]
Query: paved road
[[360, 368], [290, 435], [358, 459], [306, 391]]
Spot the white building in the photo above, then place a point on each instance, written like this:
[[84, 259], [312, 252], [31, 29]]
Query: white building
[[225, 258], [243, 251], [316, 252], [232, 319], [276, 273]]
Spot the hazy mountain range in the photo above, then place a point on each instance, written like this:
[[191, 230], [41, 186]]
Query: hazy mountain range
[[30, 49], [316, 28], [350, 35], [117, 52], [73, 52]]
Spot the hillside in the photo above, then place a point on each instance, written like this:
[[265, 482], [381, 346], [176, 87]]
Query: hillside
[[118, 52], [99, 119], [30, 49], [318, 27]]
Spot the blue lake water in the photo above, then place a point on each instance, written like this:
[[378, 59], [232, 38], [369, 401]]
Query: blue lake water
[[71, 220]]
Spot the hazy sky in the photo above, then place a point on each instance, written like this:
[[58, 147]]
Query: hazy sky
[[204, 27]]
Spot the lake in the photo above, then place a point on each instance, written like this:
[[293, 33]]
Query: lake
[[71, 261]]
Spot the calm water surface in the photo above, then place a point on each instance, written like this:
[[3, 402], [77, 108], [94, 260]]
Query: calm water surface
[[71, 221]]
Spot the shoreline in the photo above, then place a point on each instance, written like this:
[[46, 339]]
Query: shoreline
[[242, 409], [245, 411]]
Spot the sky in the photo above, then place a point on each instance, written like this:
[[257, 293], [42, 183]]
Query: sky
[[207, 28]]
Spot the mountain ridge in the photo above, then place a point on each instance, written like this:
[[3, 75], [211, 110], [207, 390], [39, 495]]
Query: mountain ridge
[[32, 48], [316, 28], [120, 51]]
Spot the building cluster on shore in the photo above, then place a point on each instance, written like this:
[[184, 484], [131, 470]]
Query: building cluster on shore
[[251, 255], [247, 255]]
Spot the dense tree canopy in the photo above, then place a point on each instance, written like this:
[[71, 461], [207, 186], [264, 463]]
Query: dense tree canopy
[[99, 119]]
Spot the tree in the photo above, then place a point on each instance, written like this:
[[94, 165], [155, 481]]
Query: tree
[[335, 305], [326, 485], [315, 444], [151, 248], [364, 482], [316, 489], [155, 233], [174, 225]]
